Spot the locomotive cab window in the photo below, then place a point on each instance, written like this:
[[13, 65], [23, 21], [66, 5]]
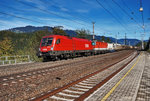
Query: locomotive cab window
[[58, 41], [47, 41]]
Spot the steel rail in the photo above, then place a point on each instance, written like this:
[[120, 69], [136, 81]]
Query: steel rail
[[46, 95]]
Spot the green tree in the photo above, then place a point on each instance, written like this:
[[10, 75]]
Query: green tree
[[4, 34], [58, 31], [6, 47], [34, 43], [82, 33], [102, 38], [140, 44], [148, 45], [23, 43], [108, 40]]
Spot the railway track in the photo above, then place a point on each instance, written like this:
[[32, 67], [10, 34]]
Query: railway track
[[83, 87], [42, 71], [12, 86]]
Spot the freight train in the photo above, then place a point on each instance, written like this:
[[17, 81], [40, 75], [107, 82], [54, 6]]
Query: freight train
[[58, 47]]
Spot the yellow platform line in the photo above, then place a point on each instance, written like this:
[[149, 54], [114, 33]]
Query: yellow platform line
[[109, 93]]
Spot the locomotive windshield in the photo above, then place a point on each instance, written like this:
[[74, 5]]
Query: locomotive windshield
[[47, 41]]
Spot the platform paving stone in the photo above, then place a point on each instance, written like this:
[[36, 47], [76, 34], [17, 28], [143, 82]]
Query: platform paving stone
[[134, 87], [144, 89]]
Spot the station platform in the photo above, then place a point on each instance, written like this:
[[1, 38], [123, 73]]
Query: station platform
[[130, 84]]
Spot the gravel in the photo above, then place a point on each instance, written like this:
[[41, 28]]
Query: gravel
[[44, 76]]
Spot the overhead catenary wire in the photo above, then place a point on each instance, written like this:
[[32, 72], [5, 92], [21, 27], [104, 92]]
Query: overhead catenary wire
[[20, 17], [6, 6], [12, 8], [16, 9], [127, 6], [49, 12], [112, 15], [3, 13], [54, 6], [24, 17], [127, 13], [91, 20], [131, 10], [142, 13], [68, 13], [113, 10], [43, 22], [142, 36]]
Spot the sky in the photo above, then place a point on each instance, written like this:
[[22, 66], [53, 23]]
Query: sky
[[113, 18]]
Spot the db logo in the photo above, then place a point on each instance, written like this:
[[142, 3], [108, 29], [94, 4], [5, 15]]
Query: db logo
[[44, 49], [86, 45]]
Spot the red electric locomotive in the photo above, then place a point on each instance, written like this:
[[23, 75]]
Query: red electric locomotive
[[57, 46], [100, 47]]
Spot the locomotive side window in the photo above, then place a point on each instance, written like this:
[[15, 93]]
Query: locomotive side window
[[58, 41]]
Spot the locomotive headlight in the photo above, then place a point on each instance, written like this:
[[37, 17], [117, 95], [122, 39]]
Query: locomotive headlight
[[52, 48]]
